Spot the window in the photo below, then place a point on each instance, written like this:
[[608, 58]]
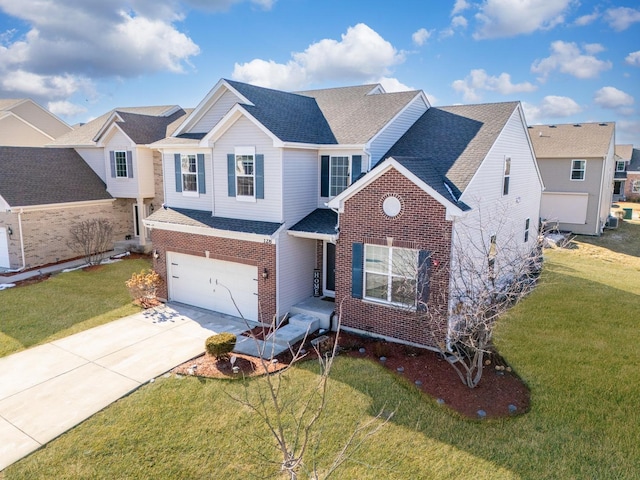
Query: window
[[338, 175], [245, 175], [121, 163], [507, 176], [635, 186], [391, 274], [189, 169], [620, 166], [578, 168], [526, 230], [491, 257]]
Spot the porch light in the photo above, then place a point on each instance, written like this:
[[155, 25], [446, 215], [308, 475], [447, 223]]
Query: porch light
[[151, 207], [265, 273], [9, 231]]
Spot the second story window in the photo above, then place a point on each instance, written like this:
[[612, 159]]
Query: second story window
[[189, 169], [337, 172], [245, 175], [620, 166], [121, 163], [338, 175], [526, 230], [578, 169], [507, 176]]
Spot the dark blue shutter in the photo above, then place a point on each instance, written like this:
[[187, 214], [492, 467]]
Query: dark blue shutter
[[424, 271], [356, 167], [112, 161], [324, 176], [178, 165], [259, 176], [357, 262], [202, 188], [129, 164], [231, 174]]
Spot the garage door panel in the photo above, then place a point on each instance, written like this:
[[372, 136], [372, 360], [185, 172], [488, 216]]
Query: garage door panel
[[213, 284]]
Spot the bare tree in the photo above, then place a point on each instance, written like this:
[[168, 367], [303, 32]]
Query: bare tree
[[92, 237], [291, 415]]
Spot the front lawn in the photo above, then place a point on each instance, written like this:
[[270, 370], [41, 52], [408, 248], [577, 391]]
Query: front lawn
[[575, 341], [64, 304]]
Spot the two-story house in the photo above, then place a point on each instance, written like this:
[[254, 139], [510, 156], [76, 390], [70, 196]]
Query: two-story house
[[24, 123], [577, 163], [622, 158], [272, 197], [632, 186]]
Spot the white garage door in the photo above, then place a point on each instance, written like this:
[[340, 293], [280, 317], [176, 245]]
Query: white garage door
[[213, 284], [564, 207], [4, 248]]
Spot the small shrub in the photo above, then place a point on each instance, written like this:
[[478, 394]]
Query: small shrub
[[220, 345], [143, 287], [381, 349]]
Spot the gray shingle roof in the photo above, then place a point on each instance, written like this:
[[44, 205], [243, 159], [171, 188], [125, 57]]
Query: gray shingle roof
[[571, 140], [40, 176], [199, 218], [321, 220], [145, 129], [634, 164], [84, 134], [290, 117], [448, 144], [354, 115]]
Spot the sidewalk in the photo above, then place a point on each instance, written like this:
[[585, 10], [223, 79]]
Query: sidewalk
[[48, 389], [13, 277]]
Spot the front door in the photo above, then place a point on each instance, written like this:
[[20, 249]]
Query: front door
[[330, 269]]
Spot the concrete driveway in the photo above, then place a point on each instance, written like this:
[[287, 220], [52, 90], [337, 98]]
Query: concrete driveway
[[48, 389]]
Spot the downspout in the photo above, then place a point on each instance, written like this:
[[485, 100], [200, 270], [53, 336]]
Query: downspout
[[24, 262]]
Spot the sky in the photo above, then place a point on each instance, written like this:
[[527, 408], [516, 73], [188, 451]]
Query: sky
[[567, 61]]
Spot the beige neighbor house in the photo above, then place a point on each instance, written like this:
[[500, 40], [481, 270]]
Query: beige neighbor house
[[24, 123], [632, 185], [115, 146], [43, 192], [577, 164]]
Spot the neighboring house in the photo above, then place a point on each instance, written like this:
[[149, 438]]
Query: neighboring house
[[577, 164], [24, 123], [115, 146], [632, 186], [43, 193], [622, 159], [250, 172]]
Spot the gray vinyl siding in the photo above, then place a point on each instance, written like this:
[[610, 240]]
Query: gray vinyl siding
[[392, 132], [95, 158], [296, 261], [244, 133], [121, 187], [301, 184], [215, 113], [177, 199]]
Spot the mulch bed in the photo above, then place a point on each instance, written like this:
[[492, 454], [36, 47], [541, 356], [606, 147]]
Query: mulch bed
[[500, 393]]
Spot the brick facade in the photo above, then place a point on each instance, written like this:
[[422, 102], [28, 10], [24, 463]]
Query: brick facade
[[46, 232], [421, 225], [628, 185], [231, 250]]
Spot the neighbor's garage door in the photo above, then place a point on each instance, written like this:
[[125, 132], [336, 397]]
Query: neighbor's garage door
[[201, 282]]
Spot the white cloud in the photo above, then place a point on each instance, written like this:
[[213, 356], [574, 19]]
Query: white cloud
[[611, 97], [586, 19], [64, 108], [460, 6], [508, 18], [421, 36], [361, 55], [550, 107], [621, 18], [42, 86], [567, 58], [478, 81], [633, 59], [459, 22], [593, 48], [393, 85]]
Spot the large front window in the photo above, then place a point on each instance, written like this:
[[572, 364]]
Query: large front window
[[245, 175], [390, 274], [121, 163], [578, 169], [338, 175], [189, 167]]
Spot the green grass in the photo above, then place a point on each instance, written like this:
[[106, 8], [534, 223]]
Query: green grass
[[575, 341], [64, 304]]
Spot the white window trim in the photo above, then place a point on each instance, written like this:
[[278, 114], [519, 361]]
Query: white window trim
[[583, 170], [618, 164], [506, 175], [389, 276], [115, 165], [189, 193], [349, 167], [635, 186], [245, 151]]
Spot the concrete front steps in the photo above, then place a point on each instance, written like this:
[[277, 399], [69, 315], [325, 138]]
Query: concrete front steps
[[300, 326]]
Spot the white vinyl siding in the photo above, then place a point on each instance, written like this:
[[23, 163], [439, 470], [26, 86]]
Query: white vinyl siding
[[245, 133], [392, 132], [215, 113], [203, 201], [121, 187], [95, 158], [300, 184]]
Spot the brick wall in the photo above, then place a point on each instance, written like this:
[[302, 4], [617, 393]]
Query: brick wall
[[46, 232], [421, 224], [240, 251], [628, 194]]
